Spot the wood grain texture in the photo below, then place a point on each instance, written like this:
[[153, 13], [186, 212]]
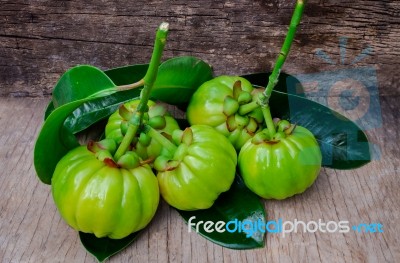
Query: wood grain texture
[[31, 229], [40, 39]]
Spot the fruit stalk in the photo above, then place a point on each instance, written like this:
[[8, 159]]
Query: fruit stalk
[[294, 23], [273, 78], [268, 120], [148, 81], [151, 74]]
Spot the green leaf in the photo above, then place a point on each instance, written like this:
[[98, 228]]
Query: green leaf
[[53, 142], [103, 248], [343, 144], [79, 82], [178, 78], [95, 110], [98, 109], [54, 139], [127, 74], [49, 109], [240, 204]]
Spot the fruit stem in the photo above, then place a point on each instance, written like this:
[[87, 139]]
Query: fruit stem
[[249, 107], [126, 141], [147, 81], [151, 74], [263, 99], [268, 120], [167, 144], [294, 23]]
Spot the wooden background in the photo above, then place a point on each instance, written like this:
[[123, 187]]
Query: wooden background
[[39, 40]]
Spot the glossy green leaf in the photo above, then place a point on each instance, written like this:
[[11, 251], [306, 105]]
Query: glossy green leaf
[[78, 83], [178, 78], [343, 144], [127, 74], [103, 248], [49, 109], [54, 139], [53, 142], [119, 76], [240, 204], [98, 109], [176, 81], [95, 110]]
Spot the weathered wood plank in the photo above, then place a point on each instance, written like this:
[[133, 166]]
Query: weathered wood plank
[[31, 229], [39, 40]]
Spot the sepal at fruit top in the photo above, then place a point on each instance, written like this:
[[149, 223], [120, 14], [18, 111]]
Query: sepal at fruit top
[[281, 165], [129, 160], [227, 103], [96, 195], [107, 144], [195, 171], [157, 117]]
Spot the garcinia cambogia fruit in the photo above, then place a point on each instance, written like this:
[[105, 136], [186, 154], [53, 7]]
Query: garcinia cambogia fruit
[[157, 117], [197, 170], [282, 165], [96, 195], [228, 104]]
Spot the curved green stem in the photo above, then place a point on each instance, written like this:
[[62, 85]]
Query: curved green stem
[[147, 81], [294, 23], [160, 139], [130, 86]]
